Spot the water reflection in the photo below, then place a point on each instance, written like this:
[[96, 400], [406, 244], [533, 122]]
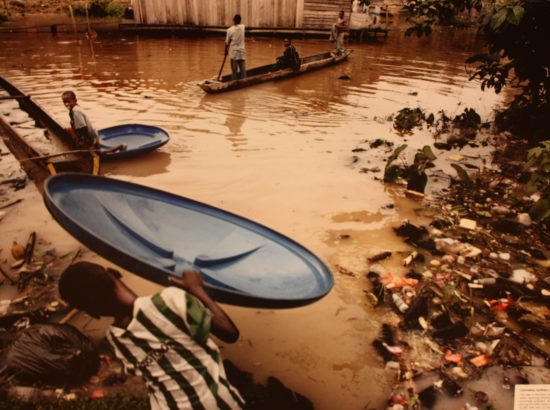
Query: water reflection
[[157, 163], [235, 121]]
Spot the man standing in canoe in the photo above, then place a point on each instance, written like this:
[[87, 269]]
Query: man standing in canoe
[[338, 30], [234, 46]]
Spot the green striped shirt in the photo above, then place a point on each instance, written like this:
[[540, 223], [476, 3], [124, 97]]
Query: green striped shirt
[[167, 342]]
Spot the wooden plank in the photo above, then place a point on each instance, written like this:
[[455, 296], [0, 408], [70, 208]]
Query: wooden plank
[[299, 13]]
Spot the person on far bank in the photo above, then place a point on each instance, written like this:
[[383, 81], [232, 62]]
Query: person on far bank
[[289, 59], [82, 129], [164, 337], [338, 31], [234, 46]]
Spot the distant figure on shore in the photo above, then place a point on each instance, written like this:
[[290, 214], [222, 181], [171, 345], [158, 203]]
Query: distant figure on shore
[[84, 132], [165, 337], [289, 59], [234, 46], [337, 33]]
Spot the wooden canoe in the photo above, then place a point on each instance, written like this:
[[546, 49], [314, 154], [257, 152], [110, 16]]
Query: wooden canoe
[[262, 74], [71, 157]]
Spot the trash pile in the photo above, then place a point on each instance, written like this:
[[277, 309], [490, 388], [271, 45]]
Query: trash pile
[[41, 355], [476, 296]]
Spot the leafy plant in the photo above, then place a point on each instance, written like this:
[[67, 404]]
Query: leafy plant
[[538, 159], [462, 174], [101, 8], [426, 13], [407, 119], [3, 16], [392, 171], [516, 33], [468, 119], [415, 174]]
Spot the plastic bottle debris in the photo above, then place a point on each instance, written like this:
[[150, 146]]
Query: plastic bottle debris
[[408, 260], [459, 372], [453, 357], [4, 306], [452, 246], [500, 210], [480, 361], [522, 276], [399, 303], [468, 224], [392, 281], [505, 256], [525, 219]]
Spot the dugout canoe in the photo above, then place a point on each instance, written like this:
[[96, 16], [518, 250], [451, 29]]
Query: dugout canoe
[[155, 234], [69, 156], [262, 74], [136, 138]]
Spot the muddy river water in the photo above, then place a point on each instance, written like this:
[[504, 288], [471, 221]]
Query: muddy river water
[[279, 153]]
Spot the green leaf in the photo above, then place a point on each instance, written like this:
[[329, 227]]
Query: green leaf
[[395, 154], [462, 174], [427, 151], [516, 15], [391, 173], [540, 210], [498, 18], [518, 11]]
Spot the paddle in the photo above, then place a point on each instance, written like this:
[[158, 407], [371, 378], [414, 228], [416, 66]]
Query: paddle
[[223, 63], [77, 151]]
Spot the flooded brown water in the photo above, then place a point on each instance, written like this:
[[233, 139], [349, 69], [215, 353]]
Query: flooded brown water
[[278, 153]]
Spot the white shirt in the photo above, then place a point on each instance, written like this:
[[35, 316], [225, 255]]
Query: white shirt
[[235, 40], [81, 120]]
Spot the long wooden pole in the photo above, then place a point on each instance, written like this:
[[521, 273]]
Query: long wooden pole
[[72, 18], [221, 68], [76, 151]]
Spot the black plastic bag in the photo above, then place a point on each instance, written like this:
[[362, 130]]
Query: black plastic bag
[[51, 354]]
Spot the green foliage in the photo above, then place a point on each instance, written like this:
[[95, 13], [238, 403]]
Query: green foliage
[[414, 174], [538, 159], [407, 119], [114, 9], [423, 158], [441, 123], [468, 119], [516, 33], [426, 13], [462, 174], [392, 172], [540, 211], [101, 8]]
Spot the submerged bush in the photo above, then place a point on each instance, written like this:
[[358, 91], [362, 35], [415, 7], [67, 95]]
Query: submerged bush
[[538, 159], [101, 8], [407, 119]]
